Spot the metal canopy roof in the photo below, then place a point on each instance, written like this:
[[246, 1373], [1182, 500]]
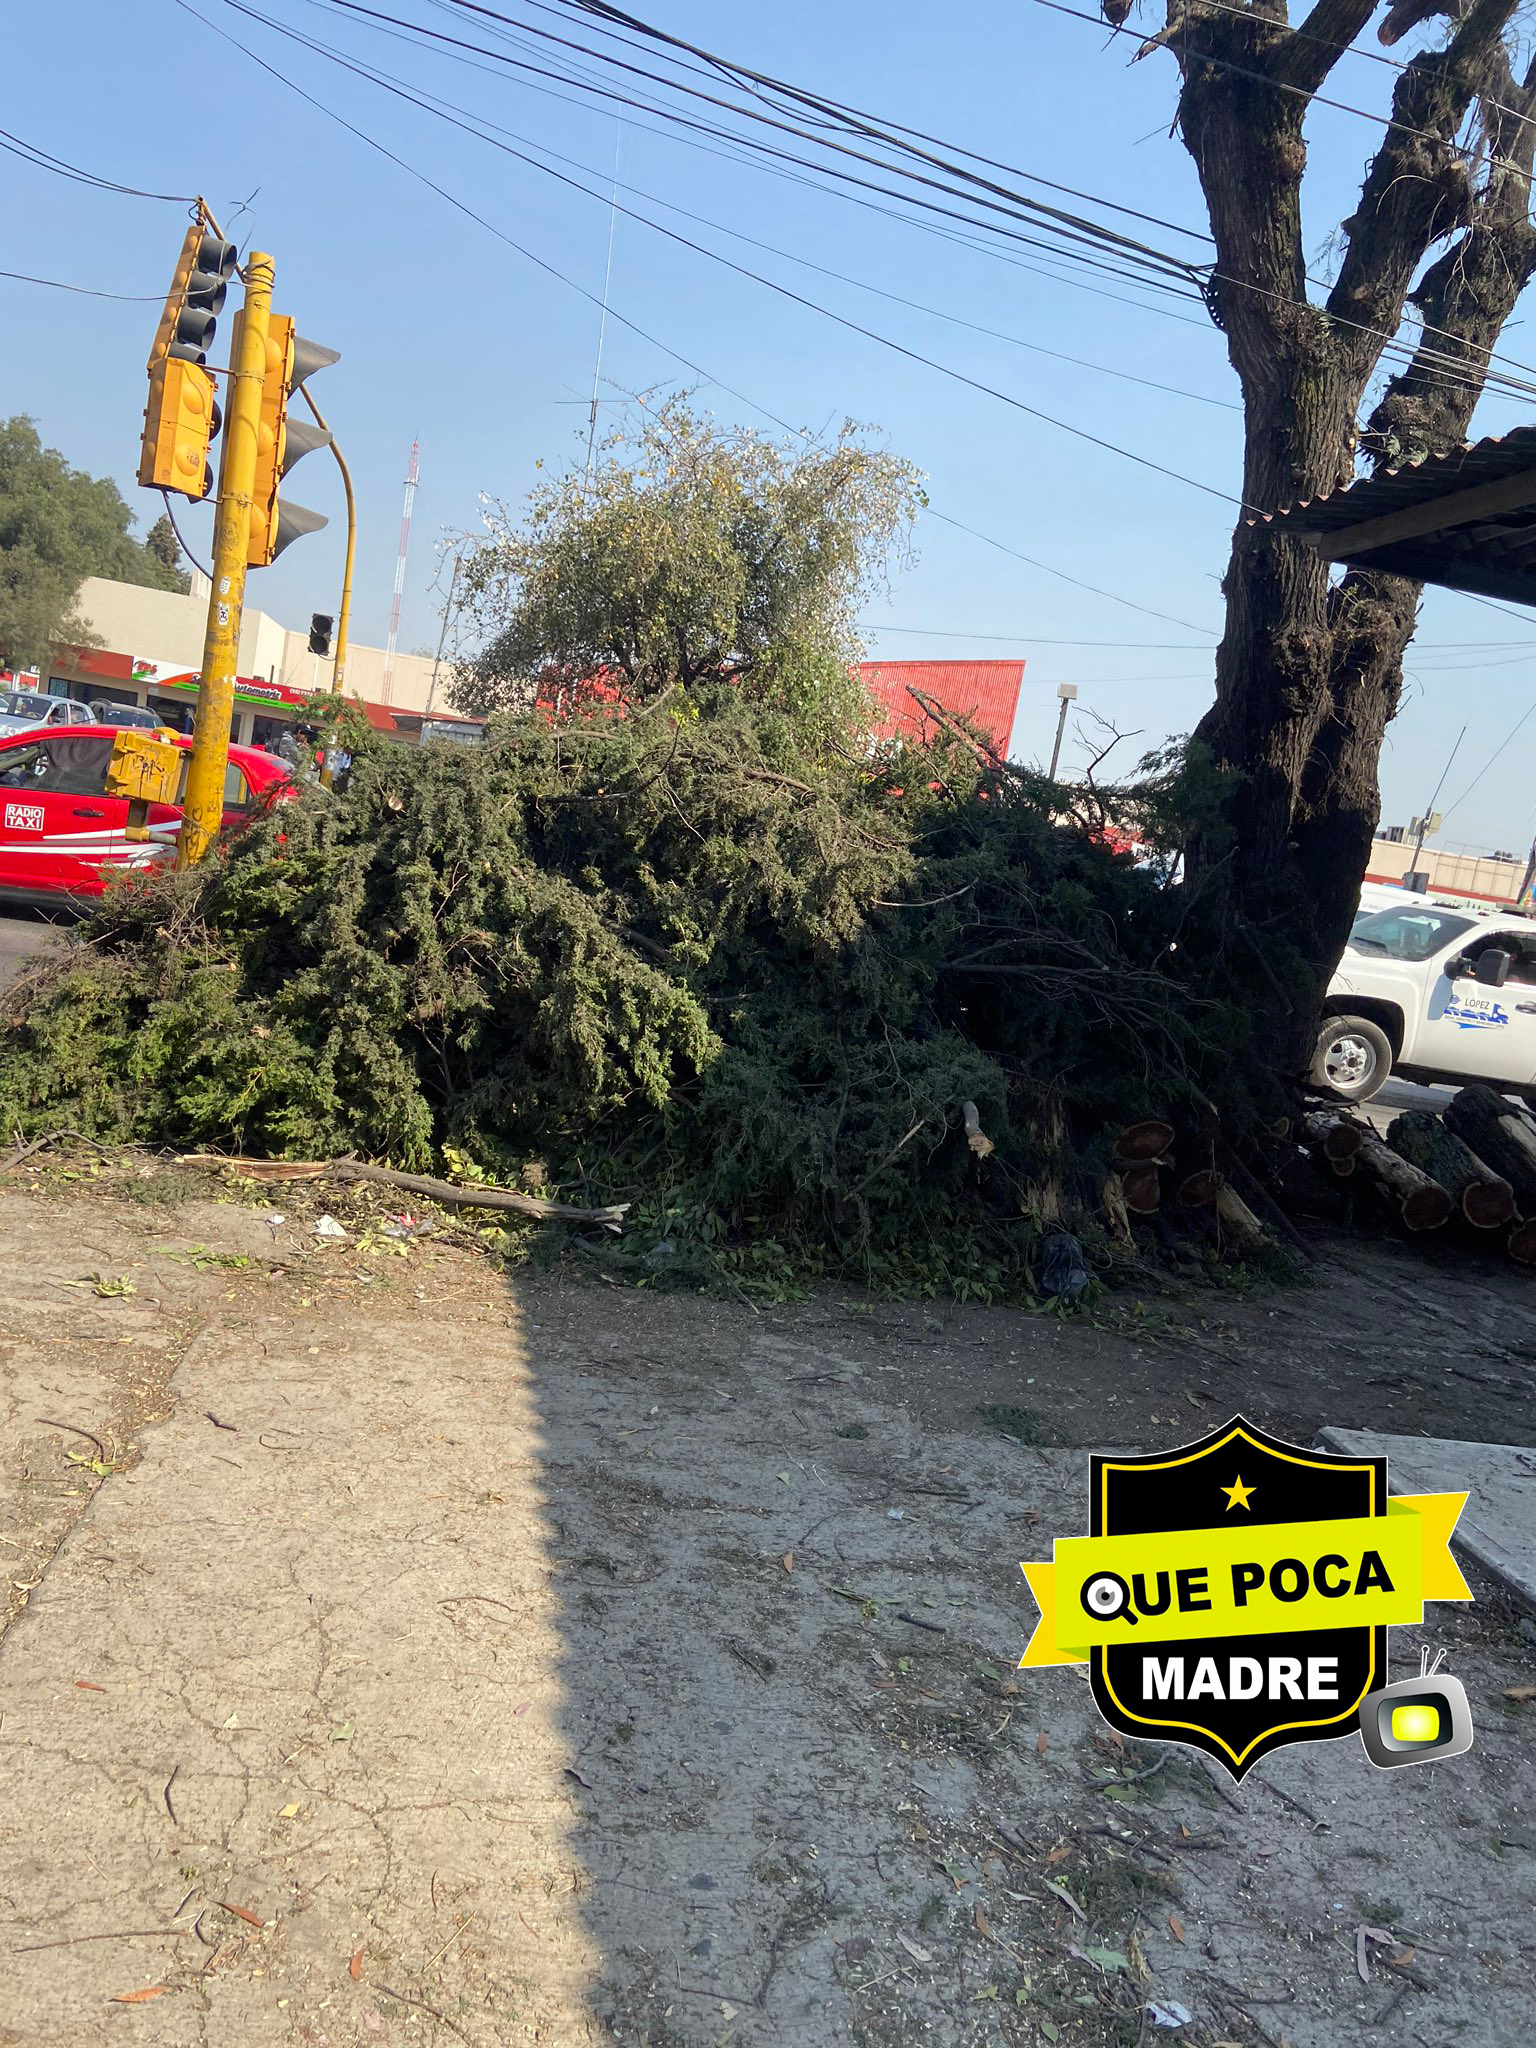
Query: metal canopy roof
[[1466, 519]]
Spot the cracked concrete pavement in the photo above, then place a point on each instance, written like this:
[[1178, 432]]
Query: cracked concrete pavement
[[447, 1655]]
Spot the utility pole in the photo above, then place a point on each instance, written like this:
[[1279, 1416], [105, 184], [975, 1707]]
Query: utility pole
[[1429, 824], [203, 808], [1066, 692]]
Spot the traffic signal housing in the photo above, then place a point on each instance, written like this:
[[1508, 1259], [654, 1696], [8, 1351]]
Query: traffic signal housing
[[181, 417], [320, 624], [281, 442]]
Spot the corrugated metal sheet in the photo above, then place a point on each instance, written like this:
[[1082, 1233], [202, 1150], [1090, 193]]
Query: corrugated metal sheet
[[1494, 555], [986, 692]]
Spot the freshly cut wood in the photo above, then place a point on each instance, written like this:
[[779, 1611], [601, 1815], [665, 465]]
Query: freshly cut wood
[[1238, 1223], [1142, 1188], [1522, 1242], [1484, 1197], [1113, 1206], [1148, 1139], [975, 1136], [1199, 1190], [1421, 1202], [1335, 1135], [1501, 1134]]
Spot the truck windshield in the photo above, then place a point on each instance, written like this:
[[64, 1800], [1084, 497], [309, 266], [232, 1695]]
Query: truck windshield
[[1407, 934]]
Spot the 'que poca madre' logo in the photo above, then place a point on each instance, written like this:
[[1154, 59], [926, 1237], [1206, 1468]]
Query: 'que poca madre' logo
[[1235, 1594]]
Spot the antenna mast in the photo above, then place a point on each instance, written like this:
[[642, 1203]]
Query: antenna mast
[[411, 477]]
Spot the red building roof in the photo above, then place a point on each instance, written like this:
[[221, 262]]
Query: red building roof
[[986, 692]]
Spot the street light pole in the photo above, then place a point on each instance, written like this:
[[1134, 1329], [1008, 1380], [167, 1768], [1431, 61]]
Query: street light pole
[[344, 616], [1066, 692]]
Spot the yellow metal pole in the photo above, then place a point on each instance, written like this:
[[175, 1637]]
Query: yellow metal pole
[[204, 806]]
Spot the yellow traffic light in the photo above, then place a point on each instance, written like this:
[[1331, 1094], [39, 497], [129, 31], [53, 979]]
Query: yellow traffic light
[[182, 415], [180, 420], [280, 442]]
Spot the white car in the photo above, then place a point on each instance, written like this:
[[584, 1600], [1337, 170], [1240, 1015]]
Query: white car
[[1435, 994], [22, 710]]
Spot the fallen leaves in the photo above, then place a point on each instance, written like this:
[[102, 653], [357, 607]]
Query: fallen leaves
[[1364, 1938], [139, 1997], [915, 1950], [1042, 1743], [788, 1560], [85, 1685], [241, 1913], [355, 1967], [1066, 1898], [1176, 1928]]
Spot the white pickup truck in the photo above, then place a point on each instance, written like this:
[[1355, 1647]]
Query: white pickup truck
[[1434, 994]]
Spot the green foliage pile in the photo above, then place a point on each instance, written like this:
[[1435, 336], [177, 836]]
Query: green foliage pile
[[59, 525], [688, 959]]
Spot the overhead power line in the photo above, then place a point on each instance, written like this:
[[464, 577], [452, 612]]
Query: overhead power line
[[42, 160], [625, 321], [756, 277], [86, 291]]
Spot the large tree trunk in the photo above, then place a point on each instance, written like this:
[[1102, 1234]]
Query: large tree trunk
[[1307, 676]]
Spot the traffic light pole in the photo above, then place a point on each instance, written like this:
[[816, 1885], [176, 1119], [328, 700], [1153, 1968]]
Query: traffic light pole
[[204, 805], [344, 616]]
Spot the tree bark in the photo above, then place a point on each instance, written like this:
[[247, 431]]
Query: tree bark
[[1308, 677], [1336, 1137], [1421, 1203], [1484, 1197], [1499, 1133]]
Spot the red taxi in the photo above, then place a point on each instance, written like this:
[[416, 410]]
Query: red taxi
[[62, 833]]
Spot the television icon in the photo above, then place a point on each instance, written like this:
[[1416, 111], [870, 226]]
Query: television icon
[[1417, 1721]]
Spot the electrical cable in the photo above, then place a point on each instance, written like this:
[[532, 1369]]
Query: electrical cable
[[634, 327], [788, 255], [180, 542], [43, 160], [1529, 712], [769, 284], [1449, 368], [86, 291]]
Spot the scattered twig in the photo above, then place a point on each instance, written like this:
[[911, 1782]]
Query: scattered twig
[[421, 2005], [166, 1796], [432, 1190], [40, 1145], [916, 1620], [448, 1944], [44, 1422], [241, 1913], [116, 1934]]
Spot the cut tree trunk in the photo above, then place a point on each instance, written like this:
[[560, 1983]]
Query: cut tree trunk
[[1148, 1139], [1335, 1136], [1239, 1225], [1198, 1190], [1499, 1133], [1421, 1203], [1522, 1242], [1142, 1188], [1484, 1197]]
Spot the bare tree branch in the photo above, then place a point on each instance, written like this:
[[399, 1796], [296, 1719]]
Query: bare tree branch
[[1310, 53]]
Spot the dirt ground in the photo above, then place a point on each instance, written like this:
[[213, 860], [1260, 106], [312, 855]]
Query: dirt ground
[[404, 1651]]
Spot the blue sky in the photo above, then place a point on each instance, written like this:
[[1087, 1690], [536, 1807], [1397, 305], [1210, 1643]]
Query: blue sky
[[447, 334]]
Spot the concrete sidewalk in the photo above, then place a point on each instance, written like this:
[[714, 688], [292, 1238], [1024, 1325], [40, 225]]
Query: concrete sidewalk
[[444, 1657]]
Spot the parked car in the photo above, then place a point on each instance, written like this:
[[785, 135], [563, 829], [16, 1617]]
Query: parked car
[[1432, 993], [25, 710], [62, 834], [131, 714]]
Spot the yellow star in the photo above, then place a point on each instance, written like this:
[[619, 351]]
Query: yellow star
[[1238, 1495]]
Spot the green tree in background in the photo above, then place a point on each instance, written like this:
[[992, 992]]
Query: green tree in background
[[693, 557], [162, 546], [59, 525]]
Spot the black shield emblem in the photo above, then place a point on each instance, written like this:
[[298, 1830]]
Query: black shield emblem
[[1236, 1474]]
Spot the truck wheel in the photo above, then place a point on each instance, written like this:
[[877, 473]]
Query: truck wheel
[[1353, 1058]]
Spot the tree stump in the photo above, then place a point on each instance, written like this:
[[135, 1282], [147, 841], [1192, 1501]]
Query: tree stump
[[1501, 1134]]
